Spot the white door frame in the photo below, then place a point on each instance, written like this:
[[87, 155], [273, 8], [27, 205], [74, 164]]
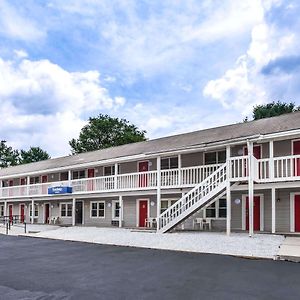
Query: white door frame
[[138, 209], [261, 212], [292, 210], [113, 203], [44, 211]]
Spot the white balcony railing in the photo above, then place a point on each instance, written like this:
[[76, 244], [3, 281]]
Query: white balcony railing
[[265, 170]]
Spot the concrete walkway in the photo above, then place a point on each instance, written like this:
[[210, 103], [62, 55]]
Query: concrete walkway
[[290, 249]]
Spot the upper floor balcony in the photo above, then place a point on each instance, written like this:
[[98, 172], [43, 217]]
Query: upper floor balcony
[[277, 169]]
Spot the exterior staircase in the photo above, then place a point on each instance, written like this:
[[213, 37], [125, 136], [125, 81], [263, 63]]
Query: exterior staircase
[[195, 199]]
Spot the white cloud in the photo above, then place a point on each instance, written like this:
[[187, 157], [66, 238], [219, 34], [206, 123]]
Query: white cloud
[[43, 104], [244, 85], [14, 25], [20, 53]]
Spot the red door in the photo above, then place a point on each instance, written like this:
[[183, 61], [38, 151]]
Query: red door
[[22, 213], [44, 186], [23, 189], [143, 167], [143, 212], [296, 151], [91, 174], [10, 212], [47, 213], [256, 212]]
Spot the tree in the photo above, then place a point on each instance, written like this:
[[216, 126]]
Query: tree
[[8, 156], [273, 109], [104, 132], [34, 154]]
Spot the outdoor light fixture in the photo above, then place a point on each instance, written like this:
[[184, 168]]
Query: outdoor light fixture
[[237, 201], [52, 206], [108, 204], [152, 203]]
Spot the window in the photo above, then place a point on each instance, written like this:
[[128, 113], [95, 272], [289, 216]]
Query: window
[[211, 158], [66, 209], [34, 180], [165, 204], [110, 170], [98, 209], [216, 209], [115, 210], [1, 210], [36, 211], [169, 163], [78, 174], [222, 208], [64, 176]]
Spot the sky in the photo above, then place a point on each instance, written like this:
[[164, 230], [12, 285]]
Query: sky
[[167, 66]]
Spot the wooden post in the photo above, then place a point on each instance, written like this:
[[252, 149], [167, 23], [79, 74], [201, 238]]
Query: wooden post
[[120, 211], [158, 198], [116, 177], [271, 162], [32, 211], [74, 212], [228, 192], [179, 170], [28, 185], [250, 186], [273, 191], [69, 177]]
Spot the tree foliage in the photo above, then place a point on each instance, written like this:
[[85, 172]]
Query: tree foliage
[[11, 157], [273, 109], [8, 156], [104, 131], [34, 154]]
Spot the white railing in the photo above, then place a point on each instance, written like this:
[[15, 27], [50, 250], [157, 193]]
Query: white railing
[[141, 180], [196, 197], [194, 175], [279, 168], [239, 168]]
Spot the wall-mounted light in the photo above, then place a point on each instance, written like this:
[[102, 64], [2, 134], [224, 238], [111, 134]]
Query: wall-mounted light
[[237, 201], [108, 204], [152, 203], [52, 206]]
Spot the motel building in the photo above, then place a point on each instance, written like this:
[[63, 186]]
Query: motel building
[[240, 177]]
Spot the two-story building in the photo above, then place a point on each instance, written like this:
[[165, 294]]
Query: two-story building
[[243, 176]]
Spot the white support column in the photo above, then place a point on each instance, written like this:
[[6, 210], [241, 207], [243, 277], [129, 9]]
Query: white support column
[[158, 198], [116, 177], [28, 183], [74, 212], [250, 186], [120, 211], [228, 192], [5, 208], [1, 186], [273, 210], [179, 170], [69, 177], [271, 154], [32, 211]]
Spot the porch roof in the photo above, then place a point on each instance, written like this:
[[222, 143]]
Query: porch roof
[[171, 143]]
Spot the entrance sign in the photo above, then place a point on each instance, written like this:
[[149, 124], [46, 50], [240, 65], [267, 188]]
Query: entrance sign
[[59, 190]]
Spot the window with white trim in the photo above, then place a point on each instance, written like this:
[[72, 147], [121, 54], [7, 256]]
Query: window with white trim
[[78, 174], [98, 209], [165, 204], [212, 158], [36, 211], [169, 163], [64, 176], [110, 170], [1, 210], [34, 180], [217, 209], [115, 210], [66, 210]]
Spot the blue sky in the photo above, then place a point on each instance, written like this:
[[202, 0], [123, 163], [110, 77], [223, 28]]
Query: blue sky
[[167, 66]]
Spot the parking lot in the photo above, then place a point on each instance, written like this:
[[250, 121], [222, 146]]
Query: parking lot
[[33, 268]]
